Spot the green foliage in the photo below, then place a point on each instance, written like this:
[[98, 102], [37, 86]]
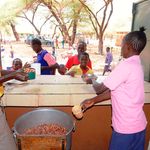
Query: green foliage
[[10, 9], [68, 10]]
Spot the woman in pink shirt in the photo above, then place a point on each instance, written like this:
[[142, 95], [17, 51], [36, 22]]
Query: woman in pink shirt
[[125, 87]]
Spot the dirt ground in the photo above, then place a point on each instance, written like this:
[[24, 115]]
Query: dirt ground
[[25, 52]]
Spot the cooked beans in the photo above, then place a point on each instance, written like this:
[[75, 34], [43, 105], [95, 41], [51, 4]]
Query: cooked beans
[[48, 129]]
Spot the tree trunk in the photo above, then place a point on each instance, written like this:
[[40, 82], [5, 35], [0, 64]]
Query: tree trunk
[[38, 31], [74, 31], [100, 46], [16, 35], [65, 32], [60, 22]]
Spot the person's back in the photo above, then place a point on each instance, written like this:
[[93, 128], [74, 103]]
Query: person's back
[[125, 87], [127, 96], [126, 83]]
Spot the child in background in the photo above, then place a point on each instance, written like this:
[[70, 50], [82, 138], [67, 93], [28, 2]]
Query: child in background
[[63, 43], [125, 87], [54, 52], [108, 61], [57, 43], [82, 68], [17, 64], [62, 69], [75, 60], [11, 52]]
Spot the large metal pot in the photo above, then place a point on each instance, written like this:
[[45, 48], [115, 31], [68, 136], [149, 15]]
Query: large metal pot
[[40, 116]]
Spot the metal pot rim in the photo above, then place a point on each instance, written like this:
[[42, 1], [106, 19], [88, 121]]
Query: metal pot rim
[[43, 109]]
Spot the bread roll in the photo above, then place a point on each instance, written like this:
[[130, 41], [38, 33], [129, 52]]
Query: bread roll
[[77, 111]]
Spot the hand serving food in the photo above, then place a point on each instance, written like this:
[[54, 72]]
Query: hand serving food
[[87, 104]]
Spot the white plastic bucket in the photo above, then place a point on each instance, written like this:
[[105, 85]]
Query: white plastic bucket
[[37, 67]]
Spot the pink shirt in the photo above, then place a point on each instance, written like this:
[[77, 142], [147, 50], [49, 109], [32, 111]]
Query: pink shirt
[[126, 83], [49, 59]]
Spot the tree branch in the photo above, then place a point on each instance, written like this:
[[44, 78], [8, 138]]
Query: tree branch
[[90, 12], [94, 26], [45, 22], [21, 17], [54, 23], [25, 17], [34, 11], [70, 25], [99, 10], [54, 31], [111, 11], [49, 5], [68, 21], [104, 16]]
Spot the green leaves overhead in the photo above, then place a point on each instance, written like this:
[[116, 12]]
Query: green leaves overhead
[[10, 8]]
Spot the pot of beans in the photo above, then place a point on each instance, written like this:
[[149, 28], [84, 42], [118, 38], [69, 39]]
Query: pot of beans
[[44, 129]]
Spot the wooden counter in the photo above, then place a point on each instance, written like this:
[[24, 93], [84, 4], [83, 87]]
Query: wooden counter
[[53, 91], [47, 91], [93, 132]]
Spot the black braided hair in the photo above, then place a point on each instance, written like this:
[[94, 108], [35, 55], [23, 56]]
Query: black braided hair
[[137, 39]]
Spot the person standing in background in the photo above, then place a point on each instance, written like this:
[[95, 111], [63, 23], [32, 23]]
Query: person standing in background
[[57, 42], [11, 52], [54, 52], [108, 61], [47, 61], [63, 43]]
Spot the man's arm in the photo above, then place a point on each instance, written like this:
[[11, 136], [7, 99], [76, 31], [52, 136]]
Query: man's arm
[[55, 66], [72, 71], [6, 72], [101, 90], [99, 87], [52, 64], [106, 95], [8, 75], [3, 78]]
